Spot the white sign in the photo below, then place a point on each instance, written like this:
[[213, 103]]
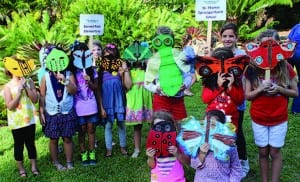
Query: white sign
[[91, 24], [210, 10]]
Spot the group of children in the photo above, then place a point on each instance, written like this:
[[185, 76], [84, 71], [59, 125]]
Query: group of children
[[99, 87]]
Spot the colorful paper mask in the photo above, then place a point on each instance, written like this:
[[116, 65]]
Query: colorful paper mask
[[194, 133], [83, 59], [170, 76], [210, 65], [57, 60], [267, 54], [136, 53], [161, 136], [20, 68]]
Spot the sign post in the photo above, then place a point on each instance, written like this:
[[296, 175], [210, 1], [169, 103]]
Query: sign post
[[210, 10], [91, 24]]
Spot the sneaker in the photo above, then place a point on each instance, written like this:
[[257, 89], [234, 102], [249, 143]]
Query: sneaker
[[135, 153], [188, 93], [84, 158], [245, 167], [70, 165], [92, 156]]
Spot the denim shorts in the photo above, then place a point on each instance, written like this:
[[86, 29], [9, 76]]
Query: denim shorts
[[88, 119], [270, 135]]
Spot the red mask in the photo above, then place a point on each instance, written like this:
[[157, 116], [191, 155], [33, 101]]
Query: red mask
[[161, 136], [210, 65], [267, 54]]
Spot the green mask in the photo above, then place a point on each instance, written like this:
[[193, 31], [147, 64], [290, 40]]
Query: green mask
[[162, 41], [57, 60], [170, 77]]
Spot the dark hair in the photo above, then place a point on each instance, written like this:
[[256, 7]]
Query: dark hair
[[164, 30], [217, 113], [268, 33], [229, 26], [112, 50], [222, 53], [164, 115]]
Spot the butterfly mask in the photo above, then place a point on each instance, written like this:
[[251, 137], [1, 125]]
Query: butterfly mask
[[267, 54], [161, 136], [136, 53], [207, 66], [83, 59], [195, 133]]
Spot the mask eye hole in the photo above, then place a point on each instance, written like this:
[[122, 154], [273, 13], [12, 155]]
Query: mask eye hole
[[168, 41], [157, 42], [158, 128]]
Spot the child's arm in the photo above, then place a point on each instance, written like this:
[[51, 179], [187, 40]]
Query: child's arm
[[151, 160], [31, 91], [71, 86], [209, 95], [10, 102], [184, 159], [198, 163], [125, 73], [42, 100]]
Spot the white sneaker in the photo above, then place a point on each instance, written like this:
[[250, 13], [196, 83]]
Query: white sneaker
[[188, 93], [245, 167], [135, 153]]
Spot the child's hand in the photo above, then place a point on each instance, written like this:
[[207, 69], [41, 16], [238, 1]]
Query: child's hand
[[273, 89], [173, 150], [265, 85], [221, 79], [60, 77], [150, 152], [204, 148], [230, 78], [86, 77]]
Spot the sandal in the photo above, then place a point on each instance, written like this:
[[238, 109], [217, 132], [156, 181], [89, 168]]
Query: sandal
[[108, 153], [59, 166], [35, 172], [23, 174], [124, 151]]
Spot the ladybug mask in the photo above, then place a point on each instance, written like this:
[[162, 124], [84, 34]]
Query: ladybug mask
[[161, 136]]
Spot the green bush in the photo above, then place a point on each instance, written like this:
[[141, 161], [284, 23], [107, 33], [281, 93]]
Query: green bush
[[3, 117]]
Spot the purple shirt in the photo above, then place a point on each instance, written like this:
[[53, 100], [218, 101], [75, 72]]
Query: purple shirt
[[85, 100], [216, 170]]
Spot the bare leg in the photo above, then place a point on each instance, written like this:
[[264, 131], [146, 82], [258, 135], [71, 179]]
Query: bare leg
[[137, 136], [53, 149], [264, 162], [81, 138], [276, 163], [137, 140], [91, 135], [68, 147], [21, 168], [33, 164]]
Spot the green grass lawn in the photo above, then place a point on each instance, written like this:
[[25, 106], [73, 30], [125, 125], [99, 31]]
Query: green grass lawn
[[120, 168]]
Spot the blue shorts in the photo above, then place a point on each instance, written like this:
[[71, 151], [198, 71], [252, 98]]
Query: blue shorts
[[88, 119]]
